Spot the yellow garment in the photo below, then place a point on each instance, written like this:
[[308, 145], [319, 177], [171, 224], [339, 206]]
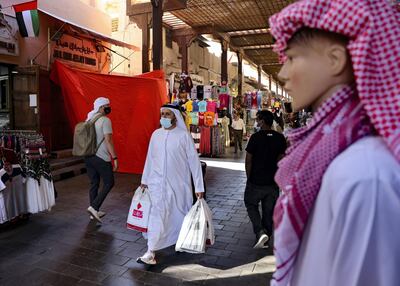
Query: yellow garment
[[189, 106], [188, 120]]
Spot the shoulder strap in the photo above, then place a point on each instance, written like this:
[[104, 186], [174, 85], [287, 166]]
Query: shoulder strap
[[93, 121], [97, 117]]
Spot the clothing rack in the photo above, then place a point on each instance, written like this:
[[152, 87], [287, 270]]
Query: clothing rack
[[27, 186]]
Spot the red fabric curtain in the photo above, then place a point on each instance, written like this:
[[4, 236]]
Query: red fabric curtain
[[135, 103]]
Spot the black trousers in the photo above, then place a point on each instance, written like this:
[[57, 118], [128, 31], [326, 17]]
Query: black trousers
[[98, 168], [238, 138], [267, 196]]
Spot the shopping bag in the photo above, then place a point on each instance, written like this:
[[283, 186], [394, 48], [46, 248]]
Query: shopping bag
[[192, 237], [139, 212], [210, 234]]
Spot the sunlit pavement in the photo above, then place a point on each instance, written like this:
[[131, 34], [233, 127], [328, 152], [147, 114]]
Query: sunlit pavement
[[64, 247]]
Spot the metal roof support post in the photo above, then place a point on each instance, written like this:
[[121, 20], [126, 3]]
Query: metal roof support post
[[224, 61], [259, 69], [157, 34], [240, 73]]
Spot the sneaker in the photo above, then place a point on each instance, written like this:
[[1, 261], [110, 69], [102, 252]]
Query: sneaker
[[94, 213], [261, 239], [148, 258], [266, 244], [100, 213]]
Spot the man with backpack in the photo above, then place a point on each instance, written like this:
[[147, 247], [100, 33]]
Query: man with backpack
[[93, 140]]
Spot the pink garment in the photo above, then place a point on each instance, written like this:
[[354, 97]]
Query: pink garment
[[223, 101], [212, 106], [374, 31], [254, 103]]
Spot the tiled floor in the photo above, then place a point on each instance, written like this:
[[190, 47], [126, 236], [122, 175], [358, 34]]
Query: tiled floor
[[64, 248]]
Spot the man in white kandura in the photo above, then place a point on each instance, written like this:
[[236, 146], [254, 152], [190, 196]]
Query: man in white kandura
[[171, 159]]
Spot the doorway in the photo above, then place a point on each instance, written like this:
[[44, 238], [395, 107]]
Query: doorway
[[4, 96]]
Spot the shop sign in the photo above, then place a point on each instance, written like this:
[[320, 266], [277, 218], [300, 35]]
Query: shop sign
[[197, 79], [8, 35], [76, 51]]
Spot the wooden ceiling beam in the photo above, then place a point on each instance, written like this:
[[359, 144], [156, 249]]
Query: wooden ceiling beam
[[257, 47], [146, 8]]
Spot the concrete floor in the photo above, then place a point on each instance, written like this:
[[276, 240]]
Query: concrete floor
[[63, 247]]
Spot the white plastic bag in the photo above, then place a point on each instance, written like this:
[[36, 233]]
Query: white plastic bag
[[192, 237], [210, 235], [196, 229], [139, 212]]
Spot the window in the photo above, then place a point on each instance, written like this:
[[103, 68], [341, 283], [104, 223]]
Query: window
[[114, 25], [168, 38]]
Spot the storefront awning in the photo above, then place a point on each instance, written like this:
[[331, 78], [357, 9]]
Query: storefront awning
[[83, 20], [73, 29]]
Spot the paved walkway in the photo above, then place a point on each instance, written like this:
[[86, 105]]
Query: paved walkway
[[64, 248]]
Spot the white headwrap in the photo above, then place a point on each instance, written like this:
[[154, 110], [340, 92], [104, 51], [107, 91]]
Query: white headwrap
[[99, 102], [180, 123]]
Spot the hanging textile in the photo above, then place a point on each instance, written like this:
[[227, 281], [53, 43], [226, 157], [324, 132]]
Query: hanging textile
[[135, 103], [205, 141], [225, 130], [26, 184]]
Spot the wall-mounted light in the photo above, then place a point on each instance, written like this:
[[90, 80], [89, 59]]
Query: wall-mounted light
[[100, 48]]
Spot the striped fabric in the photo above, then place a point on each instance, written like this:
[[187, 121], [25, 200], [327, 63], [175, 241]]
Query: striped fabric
[[27, 18]]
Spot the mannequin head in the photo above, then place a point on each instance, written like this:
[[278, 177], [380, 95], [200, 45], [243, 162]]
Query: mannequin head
[[317, 63]]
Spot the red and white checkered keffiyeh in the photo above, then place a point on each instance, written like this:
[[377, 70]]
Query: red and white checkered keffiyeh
[[372, 105]]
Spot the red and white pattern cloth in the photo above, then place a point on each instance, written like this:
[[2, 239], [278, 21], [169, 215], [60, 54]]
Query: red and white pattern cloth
[[373, 27]]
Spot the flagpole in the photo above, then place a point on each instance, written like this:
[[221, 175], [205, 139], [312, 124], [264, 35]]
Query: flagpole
[[48, 42]]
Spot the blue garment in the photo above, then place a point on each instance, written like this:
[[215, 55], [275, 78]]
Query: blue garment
[[195, 106], [203, 106]]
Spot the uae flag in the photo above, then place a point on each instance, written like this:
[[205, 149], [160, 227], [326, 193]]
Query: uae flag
[[27, 18]]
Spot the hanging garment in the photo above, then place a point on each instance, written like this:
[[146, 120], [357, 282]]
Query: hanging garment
[[195, 118], [200, 92], [47, 192], [254, 103], [225, 130], [253, 113], [205, 141], [193, 93], [212, 106], [259, 99], [195, 105], [201, 118], [3, 211], [223, 89], [14, 194], [248, 101], [195, 132], [203, 106], [209, 118], [223, 101], [189, 106], [214, 92], [207, 92], [170, 162]]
